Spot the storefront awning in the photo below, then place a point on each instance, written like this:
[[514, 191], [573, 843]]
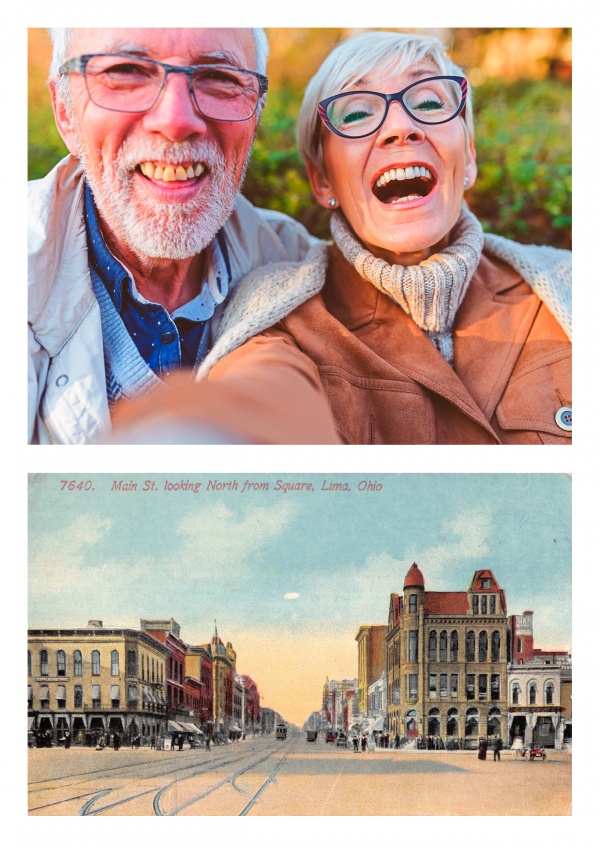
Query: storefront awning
[[191, 728], [175, 727], [30, 723]]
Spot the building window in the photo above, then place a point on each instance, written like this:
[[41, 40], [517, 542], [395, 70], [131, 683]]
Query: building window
[[412, 685], [132, 696], [483, 646], [115, 696], [77, 663], [443, 646], [454, 685], [549, 693], [29, 696], [95, 662], [516, 690], [413, 645], [61, 696], [486, 584], [432, 686], [44, 697], [29, 662], [96, 697], [61, 663], [484, 604], [454, 645], [432, 645], [470, 686], [519, 644], [78, 696], [43, 662], [412, 603], [482, 686], [532, 693], [443, 684], [470, 656], [493, 603], [495, 645], [495, 686], [396, 692], [471, 723], [131, 662], [114, 662], [475, 604]]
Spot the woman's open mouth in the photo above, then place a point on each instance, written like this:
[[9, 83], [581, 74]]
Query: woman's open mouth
[[402, 185]]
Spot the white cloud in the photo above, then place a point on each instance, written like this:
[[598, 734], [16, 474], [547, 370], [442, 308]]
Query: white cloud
[[291, 596]]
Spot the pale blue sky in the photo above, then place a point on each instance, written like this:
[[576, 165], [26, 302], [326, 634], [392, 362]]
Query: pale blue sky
[[234, 556]]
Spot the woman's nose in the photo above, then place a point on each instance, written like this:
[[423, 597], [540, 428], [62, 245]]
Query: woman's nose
[[399, 127]]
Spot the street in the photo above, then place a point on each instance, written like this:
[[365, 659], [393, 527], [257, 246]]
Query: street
[[269, 777]]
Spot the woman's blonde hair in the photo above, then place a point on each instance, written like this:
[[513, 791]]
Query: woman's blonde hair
[[355, 58]]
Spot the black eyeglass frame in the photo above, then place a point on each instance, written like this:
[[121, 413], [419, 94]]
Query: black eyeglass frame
[[78, 64], [398, 97]]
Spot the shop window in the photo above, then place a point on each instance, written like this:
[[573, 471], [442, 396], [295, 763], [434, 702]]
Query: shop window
[[454, 645], [470, 645], [95, 662], [483, 646], [114, 662], [432, 651], [77, 663], [61, 663], [43, 662], [482, 686], [78, 696]]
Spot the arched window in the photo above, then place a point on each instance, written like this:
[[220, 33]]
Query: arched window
[[549, 693], [444, 646], [78, 696], [483, 646], [495, 645], [432, 652], [516, 692], [114, 662], [95, 662], [454, 645], [61, 663], [470, 656], [532, 693], [77, 663], [43, 662], [472, 722]]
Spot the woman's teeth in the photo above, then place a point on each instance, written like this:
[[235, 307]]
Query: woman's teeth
[[171, 173]]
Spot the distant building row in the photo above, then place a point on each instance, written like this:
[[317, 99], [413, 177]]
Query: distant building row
[[141, 684]]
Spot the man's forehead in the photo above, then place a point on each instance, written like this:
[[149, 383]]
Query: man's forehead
[[188, 44]]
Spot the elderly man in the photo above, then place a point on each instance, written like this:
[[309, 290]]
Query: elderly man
[[139, 236]]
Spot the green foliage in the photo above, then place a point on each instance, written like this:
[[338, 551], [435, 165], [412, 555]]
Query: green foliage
[[523, 140]]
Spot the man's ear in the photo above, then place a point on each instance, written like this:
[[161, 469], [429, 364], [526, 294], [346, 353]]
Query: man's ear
[[470, 163], [64, 120], [320, 185]]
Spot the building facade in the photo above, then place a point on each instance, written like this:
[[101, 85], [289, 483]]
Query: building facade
[[340, 709], [95, 681], [199, 666], [371, 660], [447, 658]]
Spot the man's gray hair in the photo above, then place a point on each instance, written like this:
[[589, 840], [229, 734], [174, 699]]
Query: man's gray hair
[[61, 39], [357, 57]]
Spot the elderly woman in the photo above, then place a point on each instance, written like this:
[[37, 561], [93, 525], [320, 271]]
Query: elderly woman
[[421, 328]]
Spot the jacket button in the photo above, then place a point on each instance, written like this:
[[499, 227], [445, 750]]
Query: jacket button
[[564, 418], [168, 337], [62, 380]]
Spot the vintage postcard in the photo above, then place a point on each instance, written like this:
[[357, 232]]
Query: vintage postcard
[[299, 645]]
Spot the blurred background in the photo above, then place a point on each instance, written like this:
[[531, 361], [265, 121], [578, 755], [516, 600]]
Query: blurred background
[[521, 79]]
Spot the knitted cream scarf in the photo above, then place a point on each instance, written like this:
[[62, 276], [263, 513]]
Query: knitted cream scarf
[[430, 292]]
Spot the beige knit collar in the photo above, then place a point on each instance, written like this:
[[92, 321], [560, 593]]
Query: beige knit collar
[[430, 292]]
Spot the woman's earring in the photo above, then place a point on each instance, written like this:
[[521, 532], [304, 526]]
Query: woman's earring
[[332, 202], [466, 181]]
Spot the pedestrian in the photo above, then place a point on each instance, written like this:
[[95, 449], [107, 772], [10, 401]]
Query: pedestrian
[[207, 743], [497, 748], [180, 742], [363, 743], [397, 742], [482, 749], [67, 740], [116, 741], [355, 743]]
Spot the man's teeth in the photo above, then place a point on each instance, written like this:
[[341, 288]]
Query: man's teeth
[[171, 173], [403, 173]]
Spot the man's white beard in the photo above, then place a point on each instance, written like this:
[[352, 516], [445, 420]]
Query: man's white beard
[[160, 229]]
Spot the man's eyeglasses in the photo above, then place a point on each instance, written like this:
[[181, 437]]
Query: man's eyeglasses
[[356, 114], [123, 82]]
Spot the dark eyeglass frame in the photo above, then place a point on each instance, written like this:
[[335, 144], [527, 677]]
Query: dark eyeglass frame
[[78, 64], [398, 97]]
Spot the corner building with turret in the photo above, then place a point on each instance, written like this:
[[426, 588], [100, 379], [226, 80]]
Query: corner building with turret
[[447, 660]]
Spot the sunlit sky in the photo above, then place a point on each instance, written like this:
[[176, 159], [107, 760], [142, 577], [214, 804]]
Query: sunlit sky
[[290, 576]]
